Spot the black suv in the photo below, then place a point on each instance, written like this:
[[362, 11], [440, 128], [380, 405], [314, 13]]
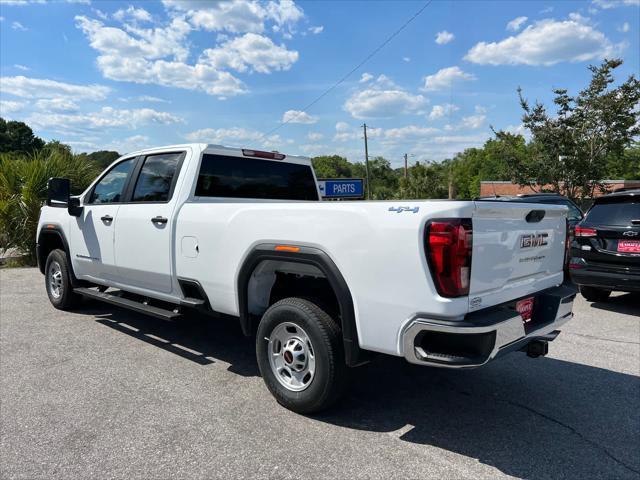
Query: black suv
[[605, 251]]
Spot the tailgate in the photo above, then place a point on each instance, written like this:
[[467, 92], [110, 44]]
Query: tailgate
[[518, 249]]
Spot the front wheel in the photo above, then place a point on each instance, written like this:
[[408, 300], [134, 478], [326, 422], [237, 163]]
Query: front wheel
[[594, 294], [58, 281], [301, 355]]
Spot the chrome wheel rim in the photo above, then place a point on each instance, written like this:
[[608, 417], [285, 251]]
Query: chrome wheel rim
[[291, 356], [55, 280]]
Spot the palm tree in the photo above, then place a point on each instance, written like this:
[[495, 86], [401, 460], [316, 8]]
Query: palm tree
[[23, 190]]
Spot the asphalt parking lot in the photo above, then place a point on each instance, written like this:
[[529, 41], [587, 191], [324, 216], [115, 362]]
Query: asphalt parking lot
[[106, 393]]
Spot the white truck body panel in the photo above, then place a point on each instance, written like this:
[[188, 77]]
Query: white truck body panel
[[379, 250]]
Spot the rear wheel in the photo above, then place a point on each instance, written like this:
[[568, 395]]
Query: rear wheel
[[594, 294], [300, 355], [58, 281]]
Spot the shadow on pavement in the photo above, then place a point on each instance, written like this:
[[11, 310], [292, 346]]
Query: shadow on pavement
[[628, 304], [543, 418], [198, 338]]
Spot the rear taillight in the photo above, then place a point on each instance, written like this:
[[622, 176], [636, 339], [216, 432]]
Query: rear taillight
[[448, 245], [585, 232]]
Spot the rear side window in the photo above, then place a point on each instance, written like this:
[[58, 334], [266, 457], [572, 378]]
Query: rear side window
[[617, 213], [238, 177], [156, 178], [110, 187]]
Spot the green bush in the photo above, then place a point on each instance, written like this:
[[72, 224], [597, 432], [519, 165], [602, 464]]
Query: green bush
[[23, 191]]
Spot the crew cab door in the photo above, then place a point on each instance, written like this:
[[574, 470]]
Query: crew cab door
[[144, 228], [91, 234]]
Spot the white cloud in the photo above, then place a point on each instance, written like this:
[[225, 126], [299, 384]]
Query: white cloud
[[159, 55], [18, 26], [24, 68], [624, 28], [606, 4], [515, 24], [409, 132], [149, 98], [316, 30], [545, 43], [60, 104], [8, 106], [383, 99], [473, 121], [20, 2], [129, 144], [234, 136], [250, 52], [297, 116], [315, 149], [107, 117], [446, 77], [382, 103], [315, 136], [143, 60], [365, 77], [43, 88], [444, 37], [406, 59], [439, 111], [342, 127], [232, 16], [137, 14], [239, 16]]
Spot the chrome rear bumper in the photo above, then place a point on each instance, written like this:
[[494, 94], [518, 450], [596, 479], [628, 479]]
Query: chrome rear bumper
[[484, 335]]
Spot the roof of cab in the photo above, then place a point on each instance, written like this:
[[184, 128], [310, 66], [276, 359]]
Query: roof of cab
[[201, 147]]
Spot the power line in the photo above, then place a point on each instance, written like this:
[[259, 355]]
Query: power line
[[357, 67]]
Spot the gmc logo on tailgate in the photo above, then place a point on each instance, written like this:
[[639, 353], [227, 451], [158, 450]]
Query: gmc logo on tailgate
[[533, 240]]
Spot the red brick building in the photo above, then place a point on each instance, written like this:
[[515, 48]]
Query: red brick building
[[491, 187]]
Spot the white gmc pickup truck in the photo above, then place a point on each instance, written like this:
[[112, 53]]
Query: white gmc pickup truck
[[320, 285]]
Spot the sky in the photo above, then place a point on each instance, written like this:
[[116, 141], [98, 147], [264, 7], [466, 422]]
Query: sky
[[123, 76]]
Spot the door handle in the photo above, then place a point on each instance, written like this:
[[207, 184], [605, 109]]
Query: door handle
[[159, 219], [106, 218]]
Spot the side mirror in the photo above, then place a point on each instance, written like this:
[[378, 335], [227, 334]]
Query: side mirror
[[58, 192]]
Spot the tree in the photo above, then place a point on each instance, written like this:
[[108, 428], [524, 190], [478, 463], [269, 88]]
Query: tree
[[333, 166], [424, 181], [102, 158], [625, 166], [568, 152], [23, 190], [18, 137]]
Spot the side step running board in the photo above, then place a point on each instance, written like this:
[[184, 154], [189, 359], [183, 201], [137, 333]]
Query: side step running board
[[161, 313]]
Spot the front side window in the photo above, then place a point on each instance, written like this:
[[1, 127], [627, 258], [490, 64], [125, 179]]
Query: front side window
[[110, 188], [238, 177], [156, 178]]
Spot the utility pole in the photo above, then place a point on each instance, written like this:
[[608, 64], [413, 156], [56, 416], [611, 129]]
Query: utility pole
[[406, 167], [366, 161]]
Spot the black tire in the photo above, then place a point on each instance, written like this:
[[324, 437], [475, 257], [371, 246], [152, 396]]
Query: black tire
[[330, 373], [61, 296], [594, 294]]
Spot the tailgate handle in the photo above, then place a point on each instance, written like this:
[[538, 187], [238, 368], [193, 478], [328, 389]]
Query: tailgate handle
[[534, 216]]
